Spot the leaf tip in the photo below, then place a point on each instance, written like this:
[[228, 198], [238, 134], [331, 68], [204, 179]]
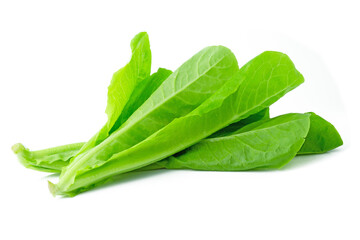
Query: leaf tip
[[53, 188], [17, 148]]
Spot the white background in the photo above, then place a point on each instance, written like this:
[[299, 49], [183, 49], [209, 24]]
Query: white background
[[57, 59]]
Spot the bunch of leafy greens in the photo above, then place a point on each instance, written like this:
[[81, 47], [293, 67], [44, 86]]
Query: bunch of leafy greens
[[206, 115]]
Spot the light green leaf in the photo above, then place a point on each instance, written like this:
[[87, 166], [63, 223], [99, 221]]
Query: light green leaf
[[256, 86], [122, 86], [183, 91], [271, 144]]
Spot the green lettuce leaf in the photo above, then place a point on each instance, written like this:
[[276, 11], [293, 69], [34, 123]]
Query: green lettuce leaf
[[183, 91], [256, 86], [271, 144], [207, 115], [122, 86]]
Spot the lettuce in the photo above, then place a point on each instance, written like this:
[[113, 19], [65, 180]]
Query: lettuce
[[254, 87], [206, 115]]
